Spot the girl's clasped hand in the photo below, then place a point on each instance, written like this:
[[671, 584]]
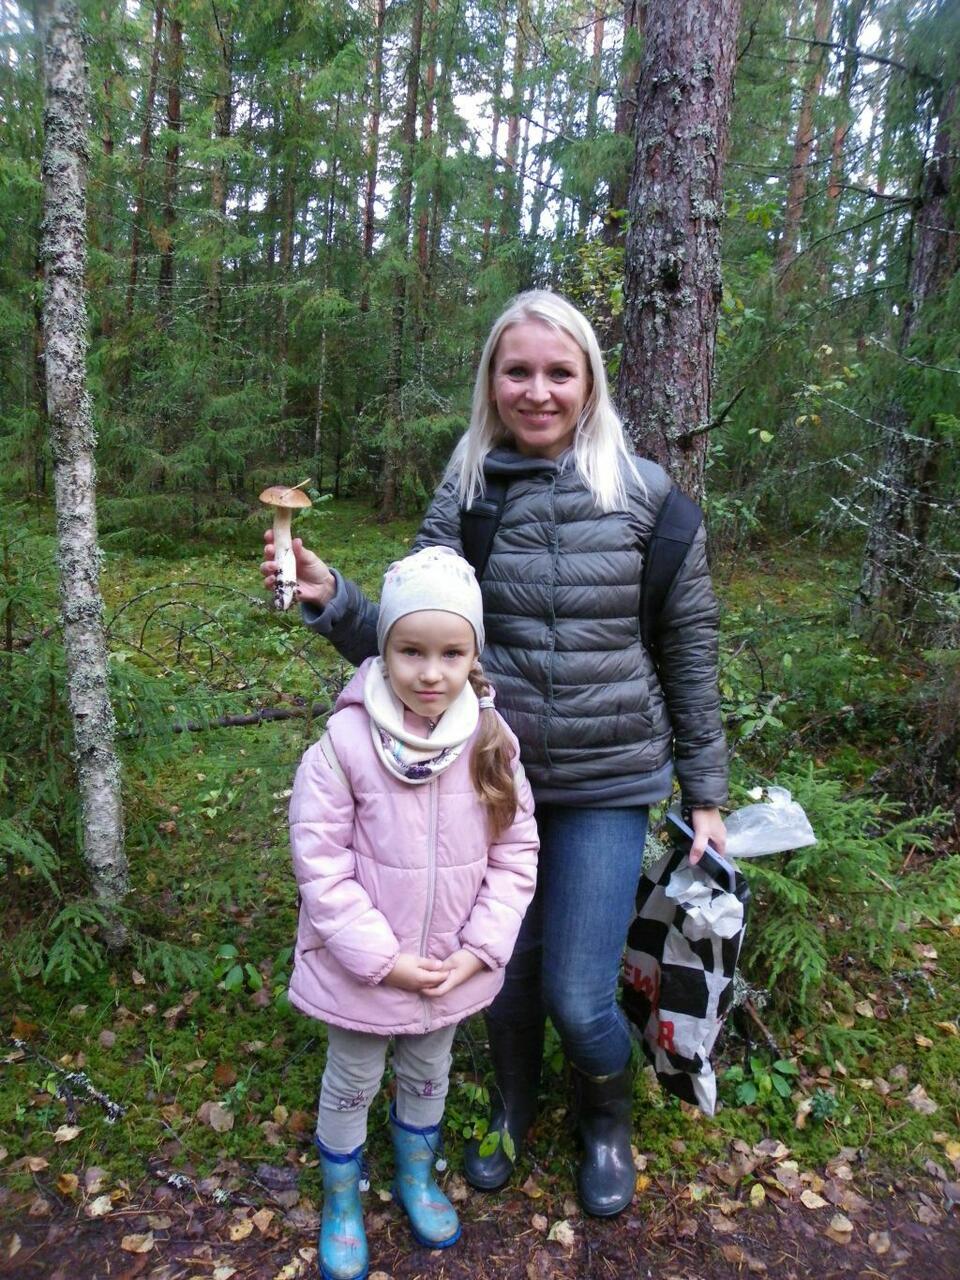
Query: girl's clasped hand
[[416, 860]]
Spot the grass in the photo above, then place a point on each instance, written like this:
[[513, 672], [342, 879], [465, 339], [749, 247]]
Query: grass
[[207, 843]]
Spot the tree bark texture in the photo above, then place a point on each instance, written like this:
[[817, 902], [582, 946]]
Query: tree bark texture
[[72, 441], [672, 285], [171, 170], [146, 134], [891, 574]]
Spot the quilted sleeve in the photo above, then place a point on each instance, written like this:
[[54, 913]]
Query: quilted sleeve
[[338, 908]]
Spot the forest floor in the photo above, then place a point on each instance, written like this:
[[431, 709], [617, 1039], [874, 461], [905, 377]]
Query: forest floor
[[156, 1109]]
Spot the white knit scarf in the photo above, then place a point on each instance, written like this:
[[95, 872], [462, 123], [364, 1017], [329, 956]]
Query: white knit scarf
[[408, 756]]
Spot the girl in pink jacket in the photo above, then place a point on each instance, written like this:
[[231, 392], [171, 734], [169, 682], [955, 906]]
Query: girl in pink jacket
[[414, 847]]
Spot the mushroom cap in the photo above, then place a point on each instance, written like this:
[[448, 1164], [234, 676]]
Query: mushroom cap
[[278, 496]]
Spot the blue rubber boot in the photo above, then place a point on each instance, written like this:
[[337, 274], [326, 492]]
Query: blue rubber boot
[[433, 1219], [343, 1241]]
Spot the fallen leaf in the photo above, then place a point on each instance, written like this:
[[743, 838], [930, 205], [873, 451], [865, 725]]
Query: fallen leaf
[[107, 1038], [224, 1272], [771, 1147], [39, 1207], [23, 1030], [879, 1242], [840, 1229], [697, 1191], [138, 978], [803, 1111], [218, 1118], [571, 1208], [137, 1243], [262, 1219], [952, 1150], [67, 1184], [159, 1221], [15, 1246], [33, 1164], [66, 1133], [196, 1065], [280, 1113], [530, 1189], [272, 1133], [865, 1009], [539, 1222], [240, 1230], [3, 1154], [951, 1028], [94, 1180], [642, 1183], [224, 1075], [929, 1217], [733, 1253], [721, 1223], [757, 1195], [924, 1042], [98, 1208], [810, 1200], [920, 1101], [563, 1233]]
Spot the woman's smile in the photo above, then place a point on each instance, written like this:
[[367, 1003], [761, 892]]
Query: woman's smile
[[539, 385]]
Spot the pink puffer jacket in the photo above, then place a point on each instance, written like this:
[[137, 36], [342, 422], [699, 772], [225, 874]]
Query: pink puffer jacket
[[386, 867]]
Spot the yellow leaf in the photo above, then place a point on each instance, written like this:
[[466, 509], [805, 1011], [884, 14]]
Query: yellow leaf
[[137, 1244], [953, 1150], [67, 1183], [280, 1114], [66, 1133], [923, 1041], [531, 1190], [643, 1181], [951, 1028], [865, 1009], [240, 1230], [757, 1195]]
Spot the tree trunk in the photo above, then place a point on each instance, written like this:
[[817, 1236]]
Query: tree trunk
[[222, 116], [512, 201], [72, 440], [849, 35], [373, 151], [803, 141], [171, 170], [146, 136], [408, 140], [615, 227], [891, 573], [672, 285], [593, 99]]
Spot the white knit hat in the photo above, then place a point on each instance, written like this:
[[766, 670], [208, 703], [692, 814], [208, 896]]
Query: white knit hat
[[434, 578]]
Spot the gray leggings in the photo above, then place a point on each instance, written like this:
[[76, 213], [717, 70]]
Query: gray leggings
[[354, 1071]]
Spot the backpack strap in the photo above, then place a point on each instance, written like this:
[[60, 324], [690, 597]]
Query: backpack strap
[[479, 523], [330, 755], [674, 530]]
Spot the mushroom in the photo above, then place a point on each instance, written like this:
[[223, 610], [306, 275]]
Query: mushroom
[[284, 502]]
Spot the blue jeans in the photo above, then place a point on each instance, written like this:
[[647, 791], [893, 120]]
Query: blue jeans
[[567, 959]]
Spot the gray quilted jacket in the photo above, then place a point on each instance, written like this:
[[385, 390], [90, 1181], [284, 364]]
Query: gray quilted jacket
[[561, 592]]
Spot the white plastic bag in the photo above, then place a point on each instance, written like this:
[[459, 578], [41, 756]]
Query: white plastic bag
[[773, 826]]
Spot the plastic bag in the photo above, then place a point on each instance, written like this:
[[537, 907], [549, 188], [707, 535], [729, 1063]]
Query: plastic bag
[[775, 826], [678, 966]]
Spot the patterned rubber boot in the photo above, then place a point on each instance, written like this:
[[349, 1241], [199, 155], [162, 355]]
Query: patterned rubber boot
[[343, 1241], [433, 1219]]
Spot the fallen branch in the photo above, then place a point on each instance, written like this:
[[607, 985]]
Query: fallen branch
[[261, 716]]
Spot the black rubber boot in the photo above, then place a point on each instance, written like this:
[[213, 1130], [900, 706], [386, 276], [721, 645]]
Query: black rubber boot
[[606, 1178], [517, 1055]]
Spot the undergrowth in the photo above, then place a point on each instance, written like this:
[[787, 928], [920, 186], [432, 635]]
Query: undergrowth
[[195, 1011]]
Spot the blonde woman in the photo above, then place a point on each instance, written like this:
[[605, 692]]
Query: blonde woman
[[602, 730]]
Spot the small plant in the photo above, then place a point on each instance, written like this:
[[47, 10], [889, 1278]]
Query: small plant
[[759, 1083], [234, 973]]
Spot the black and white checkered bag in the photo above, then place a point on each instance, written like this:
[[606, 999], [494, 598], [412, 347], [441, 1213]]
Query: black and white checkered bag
[[678, 967]]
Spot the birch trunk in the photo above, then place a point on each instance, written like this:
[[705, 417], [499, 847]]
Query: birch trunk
[[672, 285], [72, 442]]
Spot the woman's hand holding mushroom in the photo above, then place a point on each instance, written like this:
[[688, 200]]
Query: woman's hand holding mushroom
[[315, 583]]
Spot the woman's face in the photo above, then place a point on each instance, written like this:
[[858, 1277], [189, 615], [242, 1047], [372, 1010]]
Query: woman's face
[[539, 384]]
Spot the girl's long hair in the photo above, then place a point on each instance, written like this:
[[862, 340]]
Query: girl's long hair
[[601, 451], [491, 764]]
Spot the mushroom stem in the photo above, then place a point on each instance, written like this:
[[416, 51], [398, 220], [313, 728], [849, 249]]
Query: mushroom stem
[[286, 585]]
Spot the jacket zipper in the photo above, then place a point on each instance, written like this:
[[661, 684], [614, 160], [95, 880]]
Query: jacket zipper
[[432, 831]]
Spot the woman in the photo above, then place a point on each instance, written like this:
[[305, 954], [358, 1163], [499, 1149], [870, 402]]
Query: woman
[[601, 730]]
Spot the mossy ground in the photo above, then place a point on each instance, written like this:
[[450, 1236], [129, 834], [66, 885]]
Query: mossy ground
[[209, 864]]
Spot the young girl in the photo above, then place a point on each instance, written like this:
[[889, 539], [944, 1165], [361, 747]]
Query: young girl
[[414, 847]]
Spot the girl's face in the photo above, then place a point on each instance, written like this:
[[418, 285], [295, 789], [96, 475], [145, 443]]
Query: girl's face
[[429, 655], [539, 384]]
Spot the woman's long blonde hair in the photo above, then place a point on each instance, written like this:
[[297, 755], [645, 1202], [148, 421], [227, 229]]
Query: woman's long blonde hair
[[491, 764], [600, 448]]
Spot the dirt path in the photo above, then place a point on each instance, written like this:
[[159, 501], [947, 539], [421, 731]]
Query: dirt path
[[709, 1230]]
